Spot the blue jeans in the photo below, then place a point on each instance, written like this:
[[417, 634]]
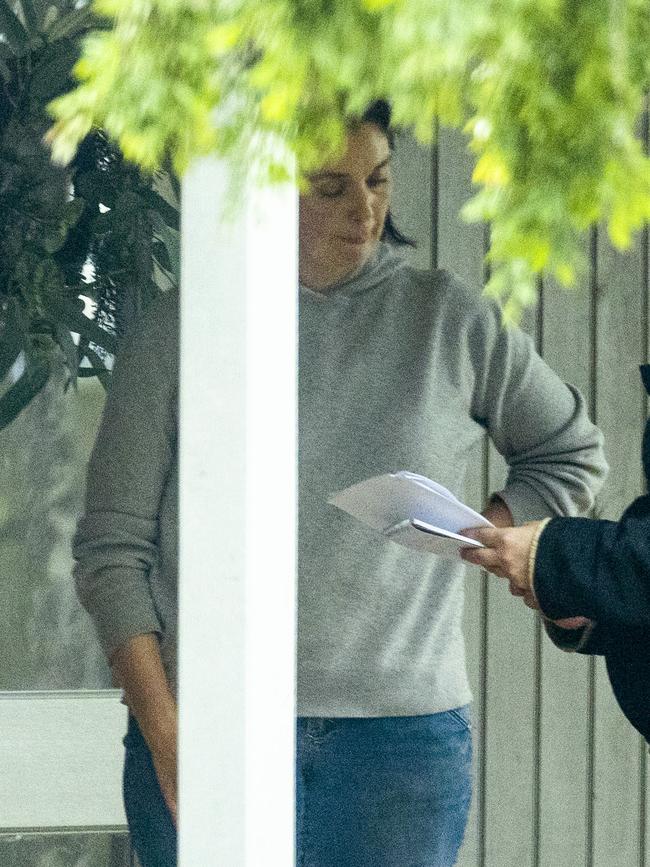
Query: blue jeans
[[370, 792], [383, 792]]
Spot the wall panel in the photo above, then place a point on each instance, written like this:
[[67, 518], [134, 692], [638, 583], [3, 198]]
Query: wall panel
[[620, 408], [565, 725], [561, 778], [460, 249]]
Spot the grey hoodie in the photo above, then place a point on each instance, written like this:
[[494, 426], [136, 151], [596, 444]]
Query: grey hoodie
[[399, 369]]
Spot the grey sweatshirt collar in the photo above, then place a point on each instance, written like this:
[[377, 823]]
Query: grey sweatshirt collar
[[381, 265]]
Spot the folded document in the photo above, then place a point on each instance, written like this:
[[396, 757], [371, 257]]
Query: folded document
[[413, 511]]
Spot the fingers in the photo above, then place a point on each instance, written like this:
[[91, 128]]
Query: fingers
[[169, 794], [572, 622], [166, 773], [488, 536], [478, 556], [170, 800], [489, 560], [486, 558], [530, 601]]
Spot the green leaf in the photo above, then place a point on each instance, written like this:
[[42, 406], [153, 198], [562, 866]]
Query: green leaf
[[86, 328], [548, 94], [96, 186], [24, 391], [11, 27], [172, 240], [52, 71], [97, 368], [69, 349], [5, 72], [168, 213], [161, 256], [73, 23], [13, 338], [31, 18]]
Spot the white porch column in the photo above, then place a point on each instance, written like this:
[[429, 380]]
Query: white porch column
[[237, 525]]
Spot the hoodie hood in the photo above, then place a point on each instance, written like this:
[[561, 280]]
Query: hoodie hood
[[383, 263]]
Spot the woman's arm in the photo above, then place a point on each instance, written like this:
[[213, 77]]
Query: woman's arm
[[117, 545], [117, 541], [498, 513], [538, 423], [137, 666]]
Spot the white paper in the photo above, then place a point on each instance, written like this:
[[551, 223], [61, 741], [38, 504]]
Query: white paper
[[421, 536], [427, 484], [394, 503]]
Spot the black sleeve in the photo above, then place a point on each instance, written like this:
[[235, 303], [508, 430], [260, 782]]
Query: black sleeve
[[597, 569]]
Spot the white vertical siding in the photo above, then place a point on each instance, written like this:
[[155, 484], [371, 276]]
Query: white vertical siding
[[561, 777]]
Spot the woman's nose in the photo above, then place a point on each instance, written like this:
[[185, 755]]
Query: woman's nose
[[361, 207]]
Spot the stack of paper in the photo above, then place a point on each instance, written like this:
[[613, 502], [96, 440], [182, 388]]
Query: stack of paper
[[412, 511]]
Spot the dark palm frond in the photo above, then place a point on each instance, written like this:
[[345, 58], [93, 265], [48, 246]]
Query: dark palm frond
[[12, 29], [97, 228], [32, 19]]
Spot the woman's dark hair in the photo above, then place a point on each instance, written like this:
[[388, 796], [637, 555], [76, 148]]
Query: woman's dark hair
[[379, 113]]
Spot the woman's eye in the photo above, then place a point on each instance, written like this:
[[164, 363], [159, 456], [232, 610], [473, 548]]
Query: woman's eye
[[377, 182], [329, 190]]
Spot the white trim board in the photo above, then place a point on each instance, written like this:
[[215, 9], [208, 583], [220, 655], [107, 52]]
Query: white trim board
[[61, 756], [238, 479]]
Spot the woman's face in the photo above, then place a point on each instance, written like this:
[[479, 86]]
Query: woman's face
[[342, 216]]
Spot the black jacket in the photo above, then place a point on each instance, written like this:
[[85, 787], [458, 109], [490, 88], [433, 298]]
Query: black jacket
[[601, 570]]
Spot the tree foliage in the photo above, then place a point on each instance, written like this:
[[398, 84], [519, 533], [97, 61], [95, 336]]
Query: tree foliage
[[547, 91], [94, 228]]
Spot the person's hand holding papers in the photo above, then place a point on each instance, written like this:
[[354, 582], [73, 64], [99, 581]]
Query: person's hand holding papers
[[509, 553], [506, 554]]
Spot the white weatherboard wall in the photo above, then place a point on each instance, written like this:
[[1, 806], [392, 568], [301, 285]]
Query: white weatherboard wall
[[61, 760], [238, 524], [561, 778]]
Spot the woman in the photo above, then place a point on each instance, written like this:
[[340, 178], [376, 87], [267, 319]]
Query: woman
[[594, 573], [399, 369]]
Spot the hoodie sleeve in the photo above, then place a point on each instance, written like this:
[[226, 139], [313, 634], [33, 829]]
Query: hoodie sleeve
[[538, 423], [116, 541]]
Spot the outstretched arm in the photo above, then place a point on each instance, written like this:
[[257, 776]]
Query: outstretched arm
[[571, 567]]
